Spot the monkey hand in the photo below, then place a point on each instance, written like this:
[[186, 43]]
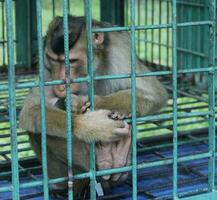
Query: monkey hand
[[119, 116], [98, 126], [78, 103]]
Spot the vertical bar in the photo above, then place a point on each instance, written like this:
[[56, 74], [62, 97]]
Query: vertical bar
[[3, 33], [152, 30], [42, 99], [146, 32], [133, 97], [174, 84], [22, 19], [53, 8], [88, 12], [115, 14], [168, 32], [160, 31], [139, 22], [126, 11], [211, 90], [68, 98], [69, 6], [12, 100]]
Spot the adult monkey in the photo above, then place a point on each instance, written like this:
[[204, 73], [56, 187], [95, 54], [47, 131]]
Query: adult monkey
[[111, 56]]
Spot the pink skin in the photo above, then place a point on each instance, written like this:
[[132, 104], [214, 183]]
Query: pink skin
[[113, 155]]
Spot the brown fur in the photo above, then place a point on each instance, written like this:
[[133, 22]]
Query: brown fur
[[111, 56]]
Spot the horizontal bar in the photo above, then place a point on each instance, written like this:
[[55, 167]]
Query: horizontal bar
[[24, 170], [153, 26], [170, 116], [4, 87], [207, 196], [112, 171]]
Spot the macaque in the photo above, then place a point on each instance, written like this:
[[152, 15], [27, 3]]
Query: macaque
[[105, 125]]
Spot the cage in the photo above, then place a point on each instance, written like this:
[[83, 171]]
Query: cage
[[174, 153]]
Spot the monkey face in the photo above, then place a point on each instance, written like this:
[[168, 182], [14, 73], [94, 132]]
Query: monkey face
[[78, 68], [54, 53]]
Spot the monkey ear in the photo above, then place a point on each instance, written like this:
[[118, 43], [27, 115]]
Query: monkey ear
[[98, 38]]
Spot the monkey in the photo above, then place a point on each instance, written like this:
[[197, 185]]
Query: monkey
[[105, 125]]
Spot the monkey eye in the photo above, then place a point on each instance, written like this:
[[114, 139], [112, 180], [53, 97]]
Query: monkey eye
[[73, 60]]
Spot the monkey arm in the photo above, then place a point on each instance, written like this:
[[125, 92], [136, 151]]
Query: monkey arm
[[147, 103], [91, 126]]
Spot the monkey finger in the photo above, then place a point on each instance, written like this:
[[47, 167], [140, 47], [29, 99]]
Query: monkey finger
[[128, 116], [122, 131], [85, 107], [121, 116], [113, 115], [88, 110], [106, 177], [119, 177], [104, 158], [115, 177]]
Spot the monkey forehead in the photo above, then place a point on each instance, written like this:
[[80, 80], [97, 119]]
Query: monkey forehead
[[50, 54], [56, 33]]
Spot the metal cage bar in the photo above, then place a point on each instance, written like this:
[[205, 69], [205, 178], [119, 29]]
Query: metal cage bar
[[68, 99], [174, 86], [133, 96], [42, 99], [12, 100], [211, 96], [88, 12]]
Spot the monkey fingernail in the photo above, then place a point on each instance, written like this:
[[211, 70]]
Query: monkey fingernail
[[106, 177], [87, 104], [88, 110], [114, 116], [115, 177]]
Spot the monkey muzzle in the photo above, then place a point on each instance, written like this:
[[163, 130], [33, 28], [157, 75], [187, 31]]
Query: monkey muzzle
[[60, 90]]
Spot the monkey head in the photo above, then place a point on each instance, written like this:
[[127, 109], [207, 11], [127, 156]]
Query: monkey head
[[54, 52]]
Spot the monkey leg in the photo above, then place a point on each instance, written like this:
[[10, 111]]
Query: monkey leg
[[114, 155], [57, 161], [104, 157], [121, 156]]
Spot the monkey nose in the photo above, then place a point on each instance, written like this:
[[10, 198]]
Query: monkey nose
[[75, 92]]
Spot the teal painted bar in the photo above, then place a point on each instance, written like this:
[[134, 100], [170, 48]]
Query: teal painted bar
[[152, 30], [133, 97], [112, 171], [30, 84], [68, 99], [174, 86], [139, 23], [22, 20], [12, 100], [42, 99], [155, 26], [160, 33], [146, 32], [53, 8], [207, 196], [88, 13], [168, 32], [211, 91]]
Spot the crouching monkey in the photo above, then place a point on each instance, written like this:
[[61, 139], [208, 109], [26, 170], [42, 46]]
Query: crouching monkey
[[107, 128]]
